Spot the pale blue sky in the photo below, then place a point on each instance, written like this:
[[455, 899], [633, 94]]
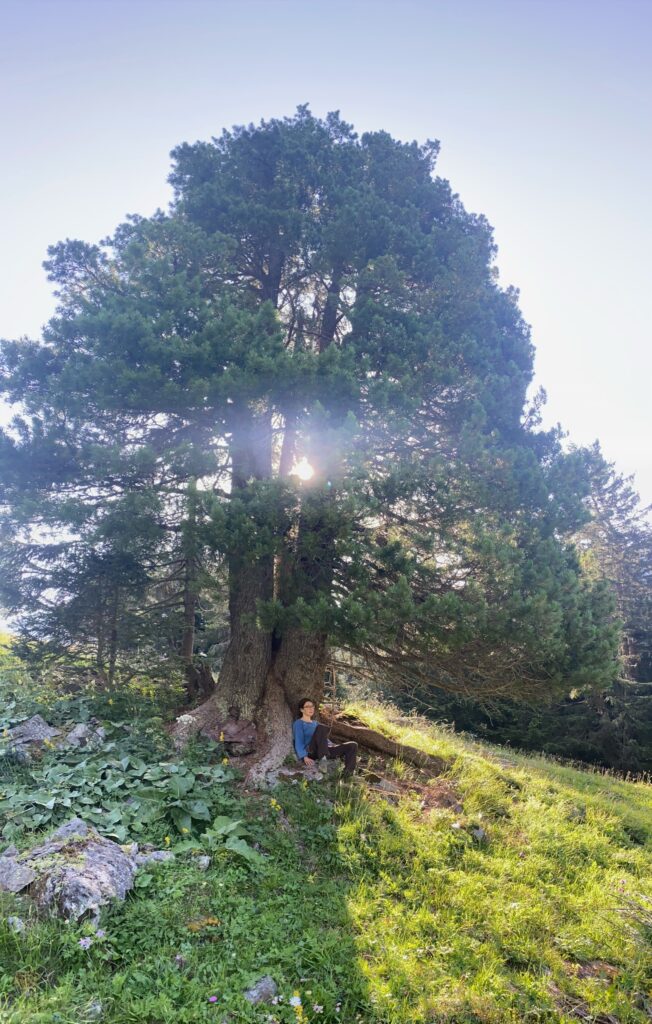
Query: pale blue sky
[[543, 110]]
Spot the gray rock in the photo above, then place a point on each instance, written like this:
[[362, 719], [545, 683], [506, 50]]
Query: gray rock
[[75, 827], [85, 734], [76, 871], [29, 736], [14, 876], [479, 834], [287, 774], [11, 851], [16, 924], [35, 729], [21, 754], [203, 862], [262, 992], [156, 856], [388, 787]]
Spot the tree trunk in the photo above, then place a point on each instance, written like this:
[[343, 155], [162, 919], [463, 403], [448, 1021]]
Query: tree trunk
[[265, 676], [248, 657], [100, 630], [113, 635], [300, 666], [247, 661], [190, 595]]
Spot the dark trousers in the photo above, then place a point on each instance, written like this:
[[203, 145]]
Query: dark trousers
[[318, 747]]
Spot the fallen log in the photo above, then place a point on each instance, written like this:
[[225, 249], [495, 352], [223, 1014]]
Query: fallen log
[[343, 728]]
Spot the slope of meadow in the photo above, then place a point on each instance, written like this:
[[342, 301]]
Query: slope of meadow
[[510, 889]]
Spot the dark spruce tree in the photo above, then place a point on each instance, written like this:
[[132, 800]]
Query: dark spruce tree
[[314, 341]]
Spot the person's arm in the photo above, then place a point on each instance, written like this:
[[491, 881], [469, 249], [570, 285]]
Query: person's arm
[[299, 742]]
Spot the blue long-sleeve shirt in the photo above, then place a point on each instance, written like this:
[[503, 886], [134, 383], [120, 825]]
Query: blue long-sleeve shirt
[[303, 732]]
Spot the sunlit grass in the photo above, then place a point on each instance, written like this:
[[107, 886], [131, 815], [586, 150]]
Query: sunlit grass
[[525, 900]]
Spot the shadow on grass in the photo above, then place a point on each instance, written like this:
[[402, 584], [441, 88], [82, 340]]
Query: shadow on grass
[[186, 944]]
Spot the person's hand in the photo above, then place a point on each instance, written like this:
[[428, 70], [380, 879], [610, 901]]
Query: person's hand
[[309, 761]]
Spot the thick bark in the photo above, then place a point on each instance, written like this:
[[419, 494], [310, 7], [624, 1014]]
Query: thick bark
[[247, 661], [275, 732], [251, 579], [248, 657], [331, 309], [300, 665], [198, 683]]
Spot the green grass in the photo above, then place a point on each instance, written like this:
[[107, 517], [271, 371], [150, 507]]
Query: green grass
[[531, 903]]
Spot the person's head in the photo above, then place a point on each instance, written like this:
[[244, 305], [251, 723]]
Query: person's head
[[306, 707]]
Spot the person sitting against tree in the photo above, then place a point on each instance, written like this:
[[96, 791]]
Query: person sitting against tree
[[311, 740]]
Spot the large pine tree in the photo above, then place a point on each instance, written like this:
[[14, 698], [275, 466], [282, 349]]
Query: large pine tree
[[311, 357]]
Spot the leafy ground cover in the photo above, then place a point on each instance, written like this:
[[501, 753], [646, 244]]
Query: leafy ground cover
[[514, 889]]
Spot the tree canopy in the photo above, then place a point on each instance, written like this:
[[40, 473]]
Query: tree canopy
[[314, 304]]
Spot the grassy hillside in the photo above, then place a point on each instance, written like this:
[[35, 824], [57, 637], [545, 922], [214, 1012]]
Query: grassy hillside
[[511, 889]]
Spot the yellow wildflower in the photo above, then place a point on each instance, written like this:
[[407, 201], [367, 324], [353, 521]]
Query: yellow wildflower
[[203, 922], [166, 840], [184, 829], [225, 760]]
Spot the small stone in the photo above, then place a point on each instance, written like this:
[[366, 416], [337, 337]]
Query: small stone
[[156, 856], [84, 734], [14, 876], [262, 992], [387, 786], [16, 924], [203, 862], [479, 834], [11, 851]]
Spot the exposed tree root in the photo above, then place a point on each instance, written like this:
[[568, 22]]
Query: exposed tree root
[[274, 724], [276, 727], [187, 725], [343, 728], [275, 735]]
